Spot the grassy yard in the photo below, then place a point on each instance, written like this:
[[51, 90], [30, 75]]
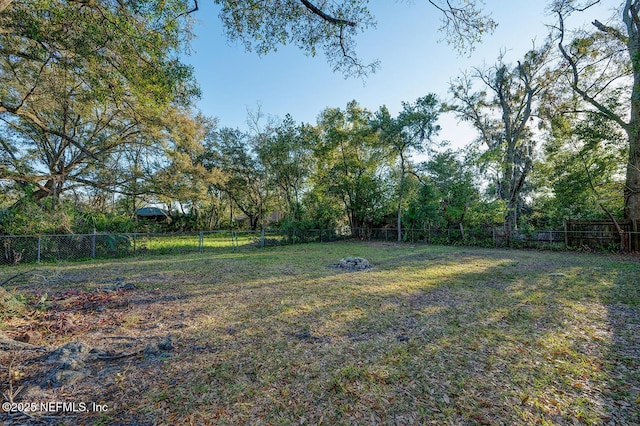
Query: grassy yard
[[430, 335]]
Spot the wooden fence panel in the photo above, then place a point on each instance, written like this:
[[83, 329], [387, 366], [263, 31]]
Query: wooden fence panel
[[598, 234]]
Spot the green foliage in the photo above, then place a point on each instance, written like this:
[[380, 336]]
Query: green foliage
[[95, 79], [448, 196], [333, 27], [425, 207], [321, 210], [350, 164], [30, 218], [582, 170], [287, 157]]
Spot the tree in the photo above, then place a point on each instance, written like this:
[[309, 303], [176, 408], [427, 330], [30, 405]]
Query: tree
[[454, 182], [407, 133], [350, 163], [177, 175], [447, 195], [333, 26], [583, 164], [603, 69], [503, 121], [286, 154], [81, 80], [243, 177]]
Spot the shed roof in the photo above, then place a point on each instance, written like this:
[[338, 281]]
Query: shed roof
[[152, 211]]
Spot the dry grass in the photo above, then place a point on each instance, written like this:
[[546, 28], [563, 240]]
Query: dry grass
[[436, 335]]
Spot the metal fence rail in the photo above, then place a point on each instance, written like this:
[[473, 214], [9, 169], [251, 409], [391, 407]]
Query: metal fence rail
[[51, 248]]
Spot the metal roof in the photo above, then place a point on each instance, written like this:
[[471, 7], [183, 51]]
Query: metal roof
[[152, 211]]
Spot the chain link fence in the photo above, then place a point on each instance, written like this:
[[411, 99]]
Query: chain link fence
[[52, 248]]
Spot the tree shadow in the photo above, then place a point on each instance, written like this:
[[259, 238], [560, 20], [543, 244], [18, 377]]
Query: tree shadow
[[465, 336]]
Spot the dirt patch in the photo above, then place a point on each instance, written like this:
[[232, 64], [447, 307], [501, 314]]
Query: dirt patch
[[70, 343]]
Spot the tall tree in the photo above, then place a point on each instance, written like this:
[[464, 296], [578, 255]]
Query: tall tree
[[349, 163], [455, 189], [80, 80], [243, 177], [501, 112], [603, 68], [408, 132], [287, 155], [579, 176]]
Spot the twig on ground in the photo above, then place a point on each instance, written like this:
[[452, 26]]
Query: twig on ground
[[15, 276]]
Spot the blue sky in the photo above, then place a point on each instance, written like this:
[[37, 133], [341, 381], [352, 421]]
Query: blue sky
[[413, 63]]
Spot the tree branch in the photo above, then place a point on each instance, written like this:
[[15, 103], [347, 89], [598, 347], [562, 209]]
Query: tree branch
[[576, 79], [36, 121], [188, 12], [610, 30], [336, 21]]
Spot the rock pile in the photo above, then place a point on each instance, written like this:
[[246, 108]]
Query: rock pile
[[352, 264]]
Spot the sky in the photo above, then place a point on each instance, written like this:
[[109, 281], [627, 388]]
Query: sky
[[414, 62]]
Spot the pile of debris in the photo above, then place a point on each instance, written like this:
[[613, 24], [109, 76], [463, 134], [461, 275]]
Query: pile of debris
[[352, 264]]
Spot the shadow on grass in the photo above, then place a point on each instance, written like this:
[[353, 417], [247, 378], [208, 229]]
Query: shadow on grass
[[432, 334], [472, 336]]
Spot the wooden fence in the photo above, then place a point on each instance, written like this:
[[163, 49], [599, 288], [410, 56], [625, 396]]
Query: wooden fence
[[597, 234]]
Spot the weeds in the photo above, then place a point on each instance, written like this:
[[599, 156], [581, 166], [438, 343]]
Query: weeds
[[12, 393]]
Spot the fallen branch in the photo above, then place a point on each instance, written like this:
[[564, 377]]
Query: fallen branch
[[120, 355], [15, 276], [8, 344]]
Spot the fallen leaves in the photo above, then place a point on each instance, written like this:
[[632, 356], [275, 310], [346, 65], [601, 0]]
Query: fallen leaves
[[439, 335]]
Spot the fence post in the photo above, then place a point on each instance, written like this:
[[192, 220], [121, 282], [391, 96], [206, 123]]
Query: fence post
[[262, 237], [39, 247], [201, 242], [93, 244], [134, 243], [566, 235]]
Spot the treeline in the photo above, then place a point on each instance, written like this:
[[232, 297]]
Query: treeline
[[354, 167], [97, 120]]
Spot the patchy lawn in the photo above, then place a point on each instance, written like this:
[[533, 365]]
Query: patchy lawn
[[431, 334]]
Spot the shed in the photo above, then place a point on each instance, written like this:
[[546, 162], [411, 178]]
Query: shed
[[153, 213]]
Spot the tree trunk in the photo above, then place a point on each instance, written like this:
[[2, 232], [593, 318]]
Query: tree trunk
[[632, 186], [400, 204]]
